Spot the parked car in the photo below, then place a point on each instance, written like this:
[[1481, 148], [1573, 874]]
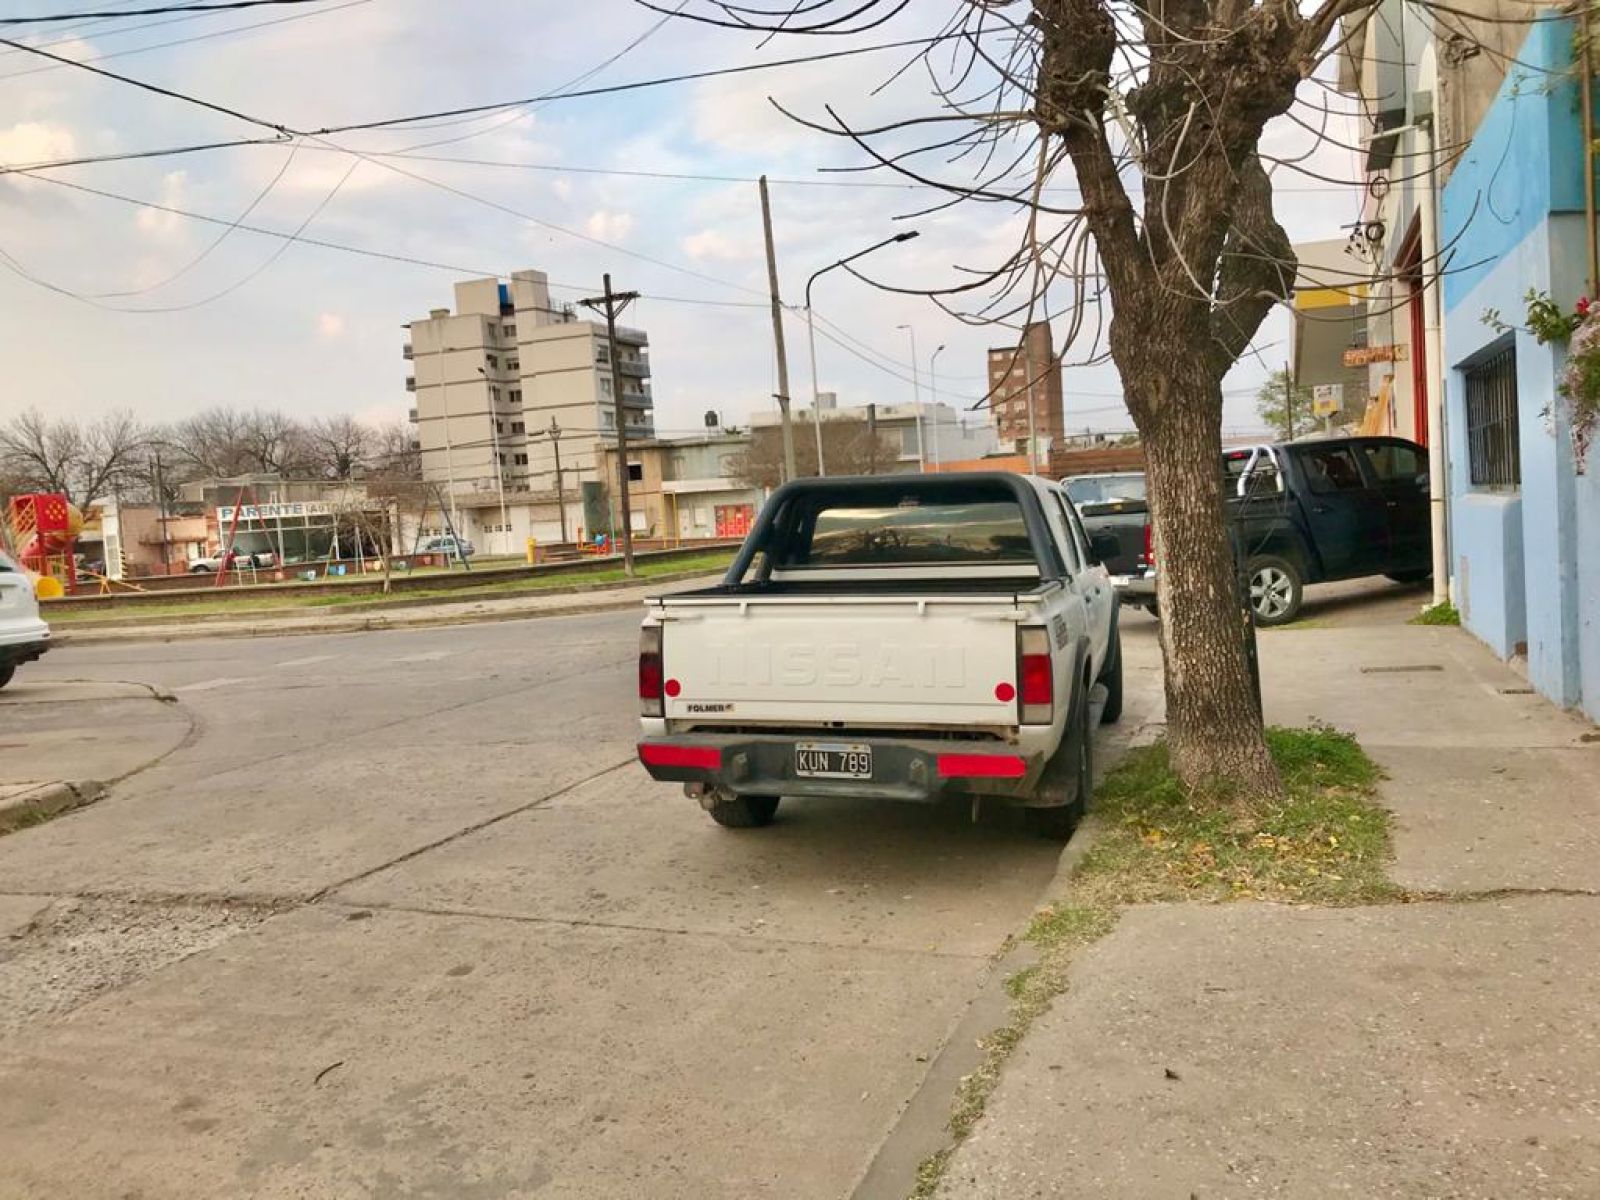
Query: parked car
[[24, 636], [894, 637], [1318, 511], [449, 546], [205, 564], [1115, 504]]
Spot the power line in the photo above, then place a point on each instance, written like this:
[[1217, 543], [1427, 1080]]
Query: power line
[[103, 14], [154, 88], [395, 122], [200, 37]]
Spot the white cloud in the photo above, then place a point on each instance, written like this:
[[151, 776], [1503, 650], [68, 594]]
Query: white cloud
[[609, 226], [562, 188], [330, 325], [35, 141], [165, 225], [713, 243]]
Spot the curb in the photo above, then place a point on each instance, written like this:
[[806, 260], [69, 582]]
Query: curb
[[922, 1127], [181, 631], [46, 801]]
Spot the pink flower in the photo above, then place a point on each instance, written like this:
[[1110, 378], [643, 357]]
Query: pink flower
[[1583, 306]]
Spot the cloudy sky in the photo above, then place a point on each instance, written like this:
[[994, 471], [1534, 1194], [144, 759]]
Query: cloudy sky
[[106, 302]]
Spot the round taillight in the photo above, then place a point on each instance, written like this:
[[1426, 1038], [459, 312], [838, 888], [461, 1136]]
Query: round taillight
[[673, 687], [1004, 693]]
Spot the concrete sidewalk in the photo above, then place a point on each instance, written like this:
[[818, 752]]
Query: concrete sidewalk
[[1442, 1048], [554, 603]]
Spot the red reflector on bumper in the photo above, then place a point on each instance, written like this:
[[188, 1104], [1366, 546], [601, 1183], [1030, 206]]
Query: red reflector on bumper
[[981, 766], [705, 758]]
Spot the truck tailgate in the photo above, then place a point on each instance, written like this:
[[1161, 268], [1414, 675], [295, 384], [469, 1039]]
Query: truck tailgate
[[865, 661]]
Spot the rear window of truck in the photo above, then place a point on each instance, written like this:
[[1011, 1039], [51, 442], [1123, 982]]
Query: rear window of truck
[[920, 532]]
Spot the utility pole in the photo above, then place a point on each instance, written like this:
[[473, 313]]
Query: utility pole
[[561, 497], [777, 336], [161, 515], [493, 393], [611, 304], [872, 439], [916, 399], [1288, 399]]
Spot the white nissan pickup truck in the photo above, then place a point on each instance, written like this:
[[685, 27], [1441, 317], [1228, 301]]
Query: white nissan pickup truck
[[898, 637]]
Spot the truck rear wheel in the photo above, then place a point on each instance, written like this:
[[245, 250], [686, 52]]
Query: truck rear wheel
[[1071, 772], [6, 672], [744, 812], [1111, 679]]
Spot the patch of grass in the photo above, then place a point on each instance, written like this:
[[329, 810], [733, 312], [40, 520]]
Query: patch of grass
[[1325, 842], [1438, 614], [247, 604]]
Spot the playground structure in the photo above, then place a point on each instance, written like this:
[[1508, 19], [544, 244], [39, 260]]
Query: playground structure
[[43, 527]]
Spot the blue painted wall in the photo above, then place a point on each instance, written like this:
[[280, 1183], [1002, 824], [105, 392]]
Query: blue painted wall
[[1525, 563]]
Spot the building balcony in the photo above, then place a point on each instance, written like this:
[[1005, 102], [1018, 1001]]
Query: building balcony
[[406, 352], [411, 415], [411, 383], [634, 368]]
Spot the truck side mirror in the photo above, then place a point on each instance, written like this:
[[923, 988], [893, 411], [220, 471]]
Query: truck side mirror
[[1103, 546]]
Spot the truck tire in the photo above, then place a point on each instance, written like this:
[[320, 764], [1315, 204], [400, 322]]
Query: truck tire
[[1277, 589], [744, 812], [1071, 771], [6, 672], [1111, 678], [200, 569], [1410, 576]]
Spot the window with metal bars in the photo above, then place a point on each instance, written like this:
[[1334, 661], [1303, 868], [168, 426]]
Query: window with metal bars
[[1493, 443]]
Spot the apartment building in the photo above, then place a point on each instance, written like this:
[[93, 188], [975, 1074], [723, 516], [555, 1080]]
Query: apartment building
[[918, 434], [503, 383], [1025, 393]]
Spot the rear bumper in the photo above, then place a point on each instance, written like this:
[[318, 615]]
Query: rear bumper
[[1138, 590], [25, 645], [902, 769]]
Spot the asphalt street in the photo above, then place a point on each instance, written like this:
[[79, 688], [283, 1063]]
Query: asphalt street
[[402, 916]]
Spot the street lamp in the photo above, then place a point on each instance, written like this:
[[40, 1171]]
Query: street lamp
[[811, 331], [499, 467], [933, 388], [916, 396]]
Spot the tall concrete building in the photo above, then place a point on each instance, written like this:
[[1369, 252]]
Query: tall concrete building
[[493, 376], [1027, 376]]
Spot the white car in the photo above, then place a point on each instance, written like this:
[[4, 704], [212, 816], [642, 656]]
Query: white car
[[205, 564], [447, 545], [23, 634]]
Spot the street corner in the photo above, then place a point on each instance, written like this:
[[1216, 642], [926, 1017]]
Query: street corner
[[63, 742]]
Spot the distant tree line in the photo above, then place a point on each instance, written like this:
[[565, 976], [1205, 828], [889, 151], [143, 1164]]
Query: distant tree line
[[120, 455]]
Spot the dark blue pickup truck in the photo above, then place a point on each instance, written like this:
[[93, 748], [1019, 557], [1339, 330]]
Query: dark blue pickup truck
[[1318, 511]]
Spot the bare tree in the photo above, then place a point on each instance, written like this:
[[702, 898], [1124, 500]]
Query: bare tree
[[847, 447], [83, 460], [1158, 111], [396, 453], [337, 446], [277, 444], [211, 444], [223, 442]]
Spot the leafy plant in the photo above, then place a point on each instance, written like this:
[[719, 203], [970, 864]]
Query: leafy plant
[[1547, 320], [1580, 385]]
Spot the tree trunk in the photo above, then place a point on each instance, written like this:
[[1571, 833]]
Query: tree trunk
[[1214, 730]]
